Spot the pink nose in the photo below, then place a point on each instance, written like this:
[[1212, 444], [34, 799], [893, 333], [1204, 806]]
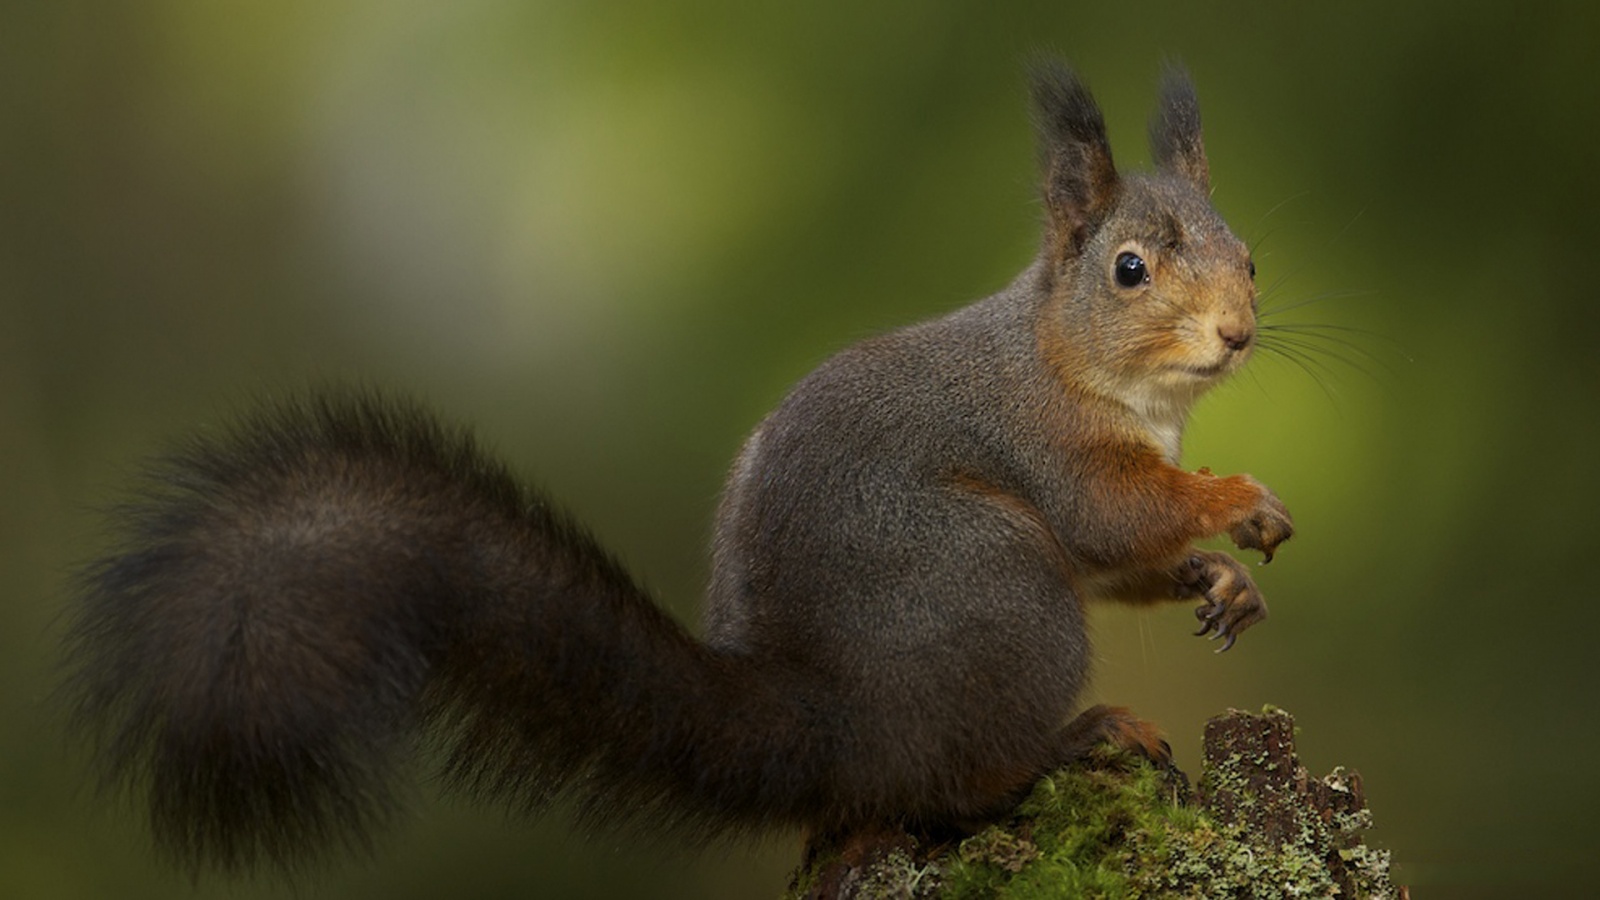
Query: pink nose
[[1236, 337]]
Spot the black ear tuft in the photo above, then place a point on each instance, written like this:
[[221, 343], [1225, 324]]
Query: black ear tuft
[[1175, 140], [1080, 181]]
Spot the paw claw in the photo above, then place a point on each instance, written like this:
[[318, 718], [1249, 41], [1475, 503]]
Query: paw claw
[[1265, 526], [1209, 615], [1231, 601]]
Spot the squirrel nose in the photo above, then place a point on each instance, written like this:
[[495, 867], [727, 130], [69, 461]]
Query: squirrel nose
[[1236, 337]]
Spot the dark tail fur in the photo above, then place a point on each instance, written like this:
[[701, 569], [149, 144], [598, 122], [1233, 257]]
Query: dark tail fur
[[296, 603]]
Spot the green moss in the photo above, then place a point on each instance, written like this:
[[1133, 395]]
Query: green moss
[[1113, 827], [1114, 831], [1085, 827]]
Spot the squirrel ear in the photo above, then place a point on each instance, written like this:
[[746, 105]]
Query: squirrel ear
[[1175, 140], [1080, 181]]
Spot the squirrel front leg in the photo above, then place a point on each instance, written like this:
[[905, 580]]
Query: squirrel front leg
[[1140, 517], [1231, 602], [1136, 510], [1267, 522]]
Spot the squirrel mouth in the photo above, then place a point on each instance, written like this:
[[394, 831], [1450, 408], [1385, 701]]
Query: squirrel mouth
[[1211, 371]]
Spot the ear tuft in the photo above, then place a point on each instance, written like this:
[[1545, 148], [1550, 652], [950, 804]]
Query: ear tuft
[[1175, 139], [1080, 181]]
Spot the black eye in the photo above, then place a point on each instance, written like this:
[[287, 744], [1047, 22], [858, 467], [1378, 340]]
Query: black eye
[[1252, 264], [1130, 270]]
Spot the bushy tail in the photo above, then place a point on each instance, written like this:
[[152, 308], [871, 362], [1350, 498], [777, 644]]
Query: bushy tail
[[297, 603]]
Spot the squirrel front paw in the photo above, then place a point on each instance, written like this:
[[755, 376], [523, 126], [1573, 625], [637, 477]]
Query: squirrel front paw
[[1232, 602], [1265, 526]]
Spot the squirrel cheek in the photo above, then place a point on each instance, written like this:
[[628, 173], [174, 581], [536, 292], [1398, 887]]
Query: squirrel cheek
[[1162, 345]]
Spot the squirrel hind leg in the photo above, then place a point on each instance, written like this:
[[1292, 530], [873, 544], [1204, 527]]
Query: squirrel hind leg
[[1115, 726]]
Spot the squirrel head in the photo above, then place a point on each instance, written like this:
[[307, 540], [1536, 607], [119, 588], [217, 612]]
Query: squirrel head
[[1151, 297]]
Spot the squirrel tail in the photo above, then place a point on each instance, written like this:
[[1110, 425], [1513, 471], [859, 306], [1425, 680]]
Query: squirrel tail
[[298, 604]]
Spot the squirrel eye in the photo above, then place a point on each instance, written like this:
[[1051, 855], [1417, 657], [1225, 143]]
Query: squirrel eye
[[1130, 270], [1252, 264]]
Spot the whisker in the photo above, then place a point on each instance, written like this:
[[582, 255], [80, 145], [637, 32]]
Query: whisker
[[1327, 326], [1279, 332], [1311, 373], [1313, 353], [1257, 242], [1347, 226], [1309, 329], [1308, 344], [1269, 309], [1269, 214], [1281, 204], [1265, 295], [1254, 374]]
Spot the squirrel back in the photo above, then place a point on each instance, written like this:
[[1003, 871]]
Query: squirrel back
[[894, 629]]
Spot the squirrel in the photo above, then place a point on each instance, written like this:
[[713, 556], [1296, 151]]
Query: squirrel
[[894, 630]]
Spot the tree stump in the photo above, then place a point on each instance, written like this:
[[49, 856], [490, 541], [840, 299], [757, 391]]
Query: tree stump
[[1113, 826]]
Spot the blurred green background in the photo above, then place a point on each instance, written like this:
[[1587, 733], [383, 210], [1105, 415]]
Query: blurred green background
[[609, 235]]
